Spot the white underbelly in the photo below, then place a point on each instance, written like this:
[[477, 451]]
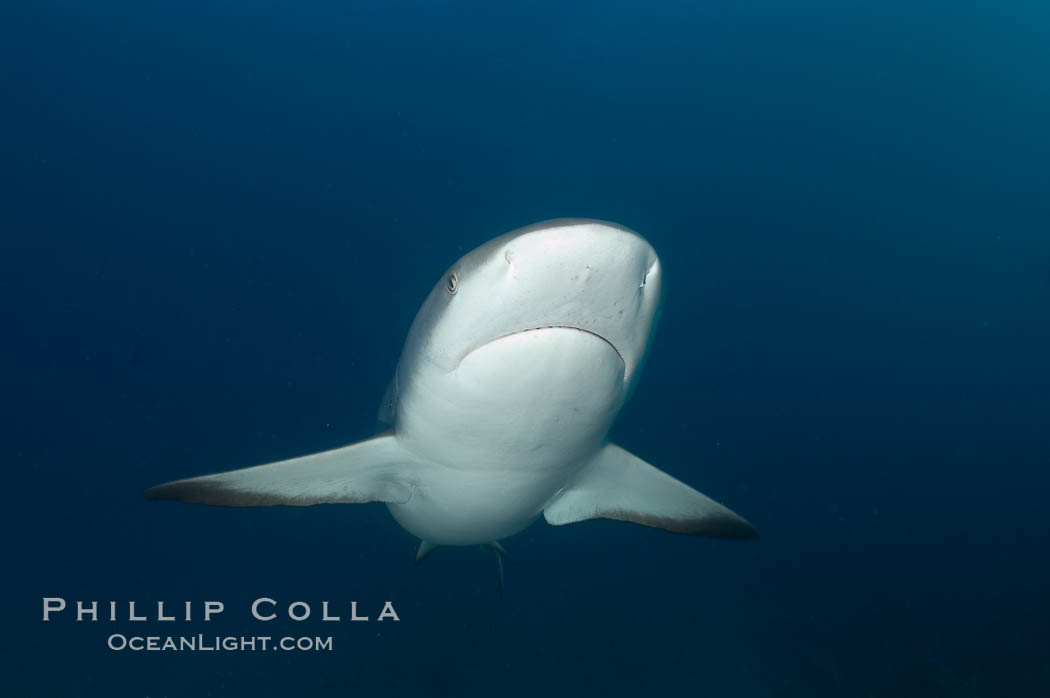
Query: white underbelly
[[473, 506], [504, 430]]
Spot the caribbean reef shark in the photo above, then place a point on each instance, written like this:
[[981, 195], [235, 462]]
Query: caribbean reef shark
[[500, 407]]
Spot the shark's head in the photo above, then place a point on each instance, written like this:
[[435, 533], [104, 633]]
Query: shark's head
[[591, 276]]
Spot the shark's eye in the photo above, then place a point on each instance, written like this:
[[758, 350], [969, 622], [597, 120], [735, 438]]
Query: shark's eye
[[452, 282]]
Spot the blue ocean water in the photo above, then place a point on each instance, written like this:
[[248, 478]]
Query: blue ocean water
[[218, 220]]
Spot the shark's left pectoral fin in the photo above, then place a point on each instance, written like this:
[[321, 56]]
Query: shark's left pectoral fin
[[376, 470], [619, 485]]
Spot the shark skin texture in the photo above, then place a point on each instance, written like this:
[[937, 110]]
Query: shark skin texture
[[511, 377]]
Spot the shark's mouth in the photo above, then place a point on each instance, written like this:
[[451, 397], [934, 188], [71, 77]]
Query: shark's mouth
[[552, 327]]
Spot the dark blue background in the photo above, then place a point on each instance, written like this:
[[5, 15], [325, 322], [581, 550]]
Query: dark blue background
[[218, 220]]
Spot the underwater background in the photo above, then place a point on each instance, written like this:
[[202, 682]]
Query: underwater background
[[218, 220]]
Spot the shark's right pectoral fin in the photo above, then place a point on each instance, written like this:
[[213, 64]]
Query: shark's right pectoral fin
[[619, 485], [376, 470]]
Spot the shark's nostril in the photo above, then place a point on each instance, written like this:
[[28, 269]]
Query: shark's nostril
[[654, 268], [645, 278]]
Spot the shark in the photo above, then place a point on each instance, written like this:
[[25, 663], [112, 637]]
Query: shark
[[499, 411]]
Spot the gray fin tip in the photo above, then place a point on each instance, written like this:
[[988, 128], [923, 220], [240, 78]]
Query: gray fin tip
[[722, 525], [193, 491]]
